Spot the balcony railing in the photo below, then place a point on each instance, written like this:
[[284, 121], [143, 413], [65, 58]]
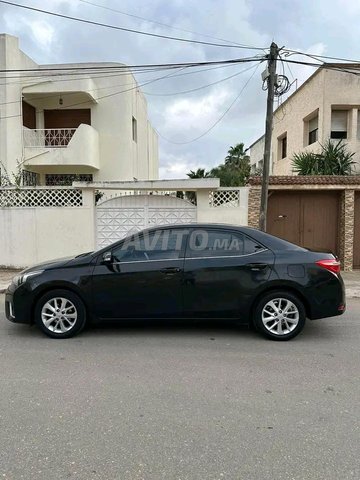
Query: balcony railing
[[48, 138]]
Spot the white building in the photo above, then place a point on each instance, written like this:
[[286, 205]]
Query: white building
[[326, 105], [257, 155], [84, 122]]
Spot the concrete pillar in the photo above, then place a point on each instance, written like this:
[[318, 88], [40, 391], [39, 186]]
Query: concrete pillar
[[254, 206]]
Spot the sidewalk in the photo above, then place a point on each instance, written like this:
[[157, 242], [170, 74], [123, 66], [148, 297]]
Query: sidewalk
[[351, 279]]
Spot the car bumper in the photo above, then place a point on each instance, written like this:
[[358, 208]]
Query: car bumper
[[329, 299], [17, 305]]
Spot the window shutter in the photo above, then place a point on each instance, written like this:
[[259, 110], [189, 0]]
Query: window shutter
[[313, 124], [339, 121]]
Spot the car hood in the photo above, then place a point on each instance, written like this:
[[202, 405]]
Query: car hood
[[58, 262]]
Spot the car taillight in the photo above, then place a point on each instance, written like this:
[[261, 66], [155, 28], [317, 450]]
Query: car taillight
[[332, 265]]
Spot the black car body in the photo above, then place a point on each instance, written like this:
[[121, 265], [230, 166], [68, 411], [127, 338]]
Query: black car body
[[198, 274]]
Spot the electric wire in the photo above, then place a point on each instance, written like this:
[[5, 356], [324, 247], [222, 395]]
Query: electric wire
[[198, 88], [105, 96], [133, 67], [124, 29], [218, 120], [170, 26]]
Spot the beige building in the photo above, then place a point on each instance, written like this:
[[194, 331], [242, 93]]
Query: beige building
[[325, 106], [59, 123]]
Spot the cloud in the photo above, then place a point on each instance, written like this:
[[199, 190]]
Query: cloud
[[195, 115], [43, 34], [175, 166]]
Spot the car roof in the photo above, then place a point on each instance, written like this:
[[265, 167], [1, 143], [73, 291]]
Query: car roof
[[269, 241]]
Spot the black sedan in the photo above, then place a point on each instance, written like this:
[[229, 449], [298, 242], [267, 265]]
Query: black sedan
[[183, 272]]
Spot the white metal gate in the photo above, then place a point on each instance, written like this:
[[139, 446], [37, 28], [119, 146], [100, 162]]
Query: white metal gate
[[119, 216]]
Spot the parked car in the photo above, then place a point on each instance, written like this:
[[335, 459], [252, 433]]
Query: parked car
[[183, 271]]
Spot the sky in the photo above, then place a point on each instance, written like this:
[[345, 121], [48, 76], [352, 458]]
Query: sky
[[322, 27]]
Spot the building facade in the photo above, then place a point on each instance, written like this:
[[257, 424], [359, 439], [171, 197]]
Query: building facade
[[325, 106], [60, 123]]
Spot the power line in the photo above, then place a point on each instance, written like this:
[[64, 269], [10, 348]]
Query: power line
[[105, 96], [54, 77], [199, 88], [316, 56], [134, 67], [218, 120], [115, 27], [66, 94], [328, 66], [241, 45]]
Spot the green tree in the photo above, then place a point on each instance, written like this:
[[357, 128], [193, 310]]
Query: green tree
[[232, 175], [235, 155], [234, 172], [199, 173], [333, 159]]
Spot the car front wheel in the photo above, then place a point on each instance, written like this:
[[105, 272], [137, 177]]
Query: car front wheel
[[60, 314], [279, 315]]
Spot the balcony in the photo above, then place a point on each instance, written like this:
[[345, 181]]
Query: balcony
[[65, 147], [48, 138]]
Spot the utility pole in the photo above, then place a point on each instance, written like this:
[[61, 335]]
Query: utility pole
[[271, 79]]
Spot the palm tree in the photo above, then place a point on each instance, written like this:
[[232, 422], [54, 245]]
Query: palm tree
[[235, 155], [334, 159], [200, 173]]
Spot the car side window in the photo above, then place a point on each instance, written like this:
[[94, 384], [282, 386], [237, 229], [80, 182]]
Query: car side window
[[214, 243], [251, 246], [156, 245]]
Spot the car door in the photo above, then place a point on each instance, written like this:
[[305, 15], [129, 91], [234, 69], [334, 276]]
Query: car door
[[143, 279], [223, 268]]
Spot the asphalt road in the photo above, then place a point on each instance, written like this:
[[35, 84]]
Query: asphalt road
[[187, 402]]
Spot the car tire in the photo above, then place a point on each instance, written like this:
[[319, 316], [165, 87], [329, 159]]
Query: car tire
[[279, 315], [60, 314]]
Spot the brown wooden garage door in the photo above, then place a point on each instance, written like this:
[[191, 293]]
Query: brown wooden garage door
[[309, 219], [357, 232]]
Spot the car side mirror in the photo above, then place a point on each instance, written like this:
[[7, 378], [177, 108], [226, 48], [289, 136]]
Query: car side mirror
[[107, 257]]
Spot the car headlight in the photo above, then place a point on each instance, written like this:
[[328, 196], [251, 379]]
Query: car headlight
[[22, 277]]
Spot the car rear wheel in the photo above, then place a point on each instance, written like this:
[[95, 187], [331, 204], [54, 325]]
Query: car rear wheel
[[279, 315], [60, 314]]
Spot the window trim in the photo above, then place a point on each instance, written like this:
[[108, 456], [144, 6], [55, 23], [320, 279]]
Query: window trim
[[280, 142]]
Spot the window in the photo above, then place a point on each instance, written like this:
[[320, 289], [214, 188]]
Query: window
[[282, 147], [66, 179], [339, 120], [219, 243], [158, 245], [29, 179], [134, 129], [313, 126]]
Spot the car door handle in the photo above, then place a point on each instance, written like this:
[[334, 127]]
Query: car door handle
[[170, 270], [256, 267]]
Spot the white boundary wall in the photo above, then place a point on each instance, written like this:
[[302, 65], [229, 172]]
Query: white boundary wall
[[30, 235], [42, 223]]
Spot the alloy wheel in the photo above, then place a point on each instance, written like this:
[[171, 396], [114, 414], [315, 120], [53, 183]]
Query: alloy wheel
[[280, 316], [59, 315]]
